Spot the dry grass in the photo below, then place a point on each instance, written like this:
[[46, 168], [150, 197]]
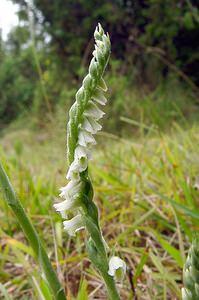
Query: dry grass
[[148, 207]]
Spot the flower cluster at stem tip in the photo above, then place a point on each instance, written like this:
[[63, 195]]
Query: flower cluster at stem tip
[[83, 124]]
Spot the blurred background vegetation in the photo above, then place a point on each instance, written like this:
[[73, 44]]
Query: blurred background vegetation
[[145, 166], [154, 69]]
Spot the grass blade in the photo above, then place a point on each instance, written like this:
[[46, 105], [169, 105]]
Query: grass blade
[[32, 236], [4, 292]]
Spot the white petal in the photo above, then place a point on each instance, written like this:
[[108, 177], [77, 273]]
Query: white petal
[[93, 68], [64, 215], [79, 164], [106, 41], [94, 53], [65, 205], [117, 268], [100, 44], [73, 225], [93, 111], [73, 171], [99, 53], [102, 85], [72, 188], [91, 125], [81, 157], [100, 29], [80, 152], [70, 194], [186, 294], [99, 97], [85, 138]]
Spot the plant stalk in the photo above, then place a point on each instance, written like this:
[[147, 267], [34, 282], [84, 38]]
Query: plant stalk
[[97, 252], [111, 287], [32, 236]]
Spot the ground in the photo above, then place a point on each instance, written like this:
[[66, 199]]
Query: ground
[[146, 190]]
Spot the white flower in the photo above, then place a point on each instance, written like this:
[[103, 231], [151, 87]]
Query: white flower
[[93, 67], [117, 268], [73, 171], [186, 294], [80, 162], [71, 189], [73, 225], [63, 214], [99, 97], [93, 111], [100, 44], [81, 155], [90, 125], [102, 85], [70, 194], [99, 53], [94, 53], [85, 138], [65, 205]]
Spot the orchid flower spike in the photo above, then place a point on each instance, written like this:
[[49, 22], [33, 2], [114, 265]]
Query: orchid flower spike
[[117, 268], [77, 195], [83, 124]]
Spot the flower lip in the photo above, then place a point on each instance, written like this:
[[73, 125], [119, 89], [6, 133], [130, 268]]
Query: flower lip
[[93, 111], [85, 138], [72, 188], [65, 205], [90, 125], [117, 268], [102, 85], [73, 172], [73, 225], [81, 152], [79, 164], [99, 97]]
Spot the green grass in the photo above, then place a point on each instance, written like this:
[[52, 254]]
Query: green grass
[[148, 206]]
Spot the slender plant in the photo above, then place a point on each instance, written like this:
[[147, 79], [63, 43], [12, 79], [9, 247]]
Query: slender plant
[[78, 193], [190, 291], [32, 236]]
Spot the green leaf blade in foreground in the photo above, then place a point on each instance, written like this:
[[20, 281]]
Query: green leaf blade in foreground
[[32, 236]]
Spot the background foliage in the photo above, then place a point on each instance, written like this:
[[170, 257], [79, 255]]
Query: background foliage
[[145, 164], [153, 42]]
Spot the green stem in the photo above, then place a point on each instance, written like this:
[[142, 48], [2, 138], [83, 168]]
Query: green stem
[[111, 287], [32, 236], [98, 256]]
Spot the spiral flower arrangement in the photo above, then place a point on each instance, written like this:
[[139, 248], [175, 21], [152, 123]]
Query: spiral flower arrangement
[[77, 195]]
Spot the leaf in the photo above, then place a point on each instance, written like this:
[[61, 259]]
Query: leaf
[[175, 253], [165, 275], [4, 292], [192, 213], [20, 246], [140, 266], [82, 294]]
